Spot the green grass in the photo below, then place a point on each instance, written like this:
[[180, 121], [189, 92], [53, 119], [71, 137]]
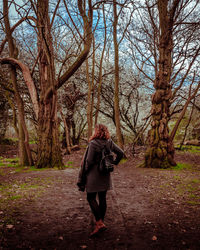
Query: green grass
[[177, 177], [123, 160], [69, 164], [194, 203], [13, 160], [182, 166], [14, 163], [9, 162], [19, 190], [32, 142], [2, 164], [197, 181], [15, 197], [191, 149]]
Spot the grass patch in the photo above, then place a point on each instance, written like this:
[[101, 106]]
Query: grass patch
[[123, 160], [12, 160], [15, 194], [69, 164], [9, 162], [14, 163], [2, 164], [22, 190], [194, 203], [190, 189], [191, 149], [15, 197], [177, 177], [182, 166]]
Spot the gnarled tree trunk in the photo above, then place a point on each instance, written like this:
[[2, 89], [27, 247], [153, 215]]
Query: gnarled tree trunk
[[160, 153]]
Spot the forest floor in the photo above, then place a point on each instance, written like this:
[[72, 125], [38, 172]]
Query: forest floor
[[147, 209]]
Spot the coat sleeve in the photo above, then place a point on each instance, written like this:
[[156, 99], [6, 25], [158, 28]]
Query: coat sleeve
[[118, 152], [82, 172]]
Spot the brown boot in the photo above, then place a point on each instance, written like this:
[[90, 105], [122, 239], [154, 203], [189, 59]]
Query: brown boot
[[99, 227]]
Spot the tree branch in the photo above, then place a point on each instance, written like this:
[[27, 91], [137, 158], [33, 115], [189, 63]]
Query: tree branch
[[27, 78]]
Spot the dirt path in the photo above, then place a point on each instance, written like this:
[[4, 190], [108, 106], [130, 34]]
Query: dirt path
[[148, 209]]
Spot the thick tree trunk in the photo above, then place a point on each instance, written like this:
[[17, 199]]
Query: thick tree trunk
[[49, 153], [160, 153]]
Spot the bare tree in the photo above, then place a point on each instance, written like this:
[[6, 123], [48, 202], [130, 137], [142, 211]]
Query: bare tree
[[166, 54], [24, 149], [49, 154]]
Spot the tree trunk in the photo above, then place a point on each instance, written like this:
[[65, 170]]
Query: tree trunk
[[116, 93], [67, 134], [90, 92], [100, 70], [89, 101], [49, 152], [24, 149], [23, 159], [186, 127], [160, 153]]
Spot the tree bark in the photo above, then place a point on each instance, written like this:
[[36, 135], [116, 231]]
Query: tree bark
[[24, 149], [160, 153], [28, 80], [100, 70], [49, 152], [116, 92], [90, 81], [89, 101], [67, 135]]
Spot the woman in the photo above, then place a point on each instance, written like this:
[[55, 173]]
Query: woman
[[90, 177]]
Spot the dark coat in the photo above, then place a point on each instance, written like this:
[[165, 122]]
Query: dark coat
[[89, 174]]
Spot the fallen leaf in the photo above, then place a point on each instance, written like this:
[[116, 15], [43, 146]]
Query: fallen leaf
[[154, 238], [83, 246]]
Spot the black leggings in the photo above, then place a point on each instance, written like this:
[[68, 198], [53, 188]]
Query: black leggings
[[99, 210]]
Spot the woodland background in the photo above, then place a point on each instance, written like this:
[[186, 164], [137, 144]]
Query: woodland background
[[132, 65]]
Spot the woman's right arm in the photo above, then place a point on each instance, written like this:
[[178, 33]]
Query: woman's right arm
[[118, 151]]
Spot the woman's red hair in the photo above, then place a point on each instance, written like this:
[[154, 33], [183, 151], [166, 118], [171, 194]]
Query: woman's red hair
[[100, 132]]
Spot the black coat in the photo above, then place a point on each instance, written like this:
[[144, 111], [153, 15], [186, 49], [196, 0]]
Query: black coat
[[89, 175]]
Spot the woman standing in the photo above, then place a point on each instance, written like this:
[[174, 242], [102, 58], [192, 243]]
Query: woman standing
[[90, 177]]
